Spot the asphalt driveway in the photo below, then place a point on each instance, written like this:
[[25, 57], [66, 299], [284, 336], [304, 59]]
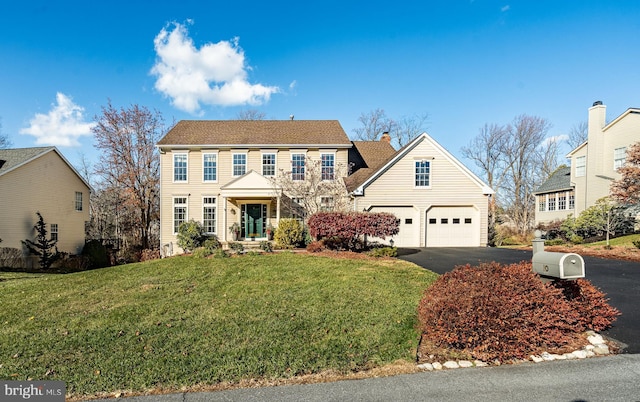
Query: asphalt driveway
[[620, 280]]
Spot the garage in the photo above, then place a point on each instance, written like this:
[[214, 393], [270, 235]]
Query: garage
[[453, 226], [409, 234]]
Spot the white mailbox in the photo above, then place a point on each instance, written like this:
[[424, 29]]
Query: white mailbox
[[558, 265]]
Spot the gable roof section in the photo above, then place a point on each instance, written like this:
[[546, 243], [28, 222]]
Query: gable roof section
[[558, 181], [16, 157], [358, 189], [191, 133]]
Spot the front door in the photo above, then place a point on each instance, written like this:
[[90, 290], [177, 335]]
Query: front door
[[254, 217]]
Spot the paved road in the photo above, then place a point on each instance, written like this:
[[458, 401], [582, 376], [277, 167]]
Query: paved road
[[620, 280], [612, 378]]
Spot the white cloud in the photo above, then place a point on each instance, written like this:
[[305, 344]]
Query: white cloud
[[557, 139], [293, 84], [505, 8], [62, 126], [215, 74]]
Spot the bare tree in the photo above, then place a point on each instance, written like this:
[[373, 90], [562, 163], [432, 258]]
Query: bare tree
[[315, 190], [514, 160], [374, 124], [485, 150], [129, 165], [523, 167], [409, 127], [250, 114], [4, 140], [578, 134], [401, 131]]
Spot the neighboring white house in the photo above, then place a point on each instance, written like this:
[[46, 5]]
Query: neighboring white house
[[42, 180], [593, 166], [221, 172]]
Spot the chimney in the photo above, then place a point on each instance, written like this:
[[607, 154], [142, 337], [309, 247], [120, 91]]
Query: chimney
[[386, 137], [597, 115]]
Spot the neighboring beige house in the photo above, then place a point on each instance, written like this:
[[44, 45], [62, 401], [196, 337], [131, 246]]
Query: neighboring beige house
[[42, 180], [222, 172], [593, 166]]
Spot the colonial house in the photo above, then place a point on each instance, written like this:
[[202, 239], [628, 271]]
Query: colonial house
[[42, 180], [224, 172], [593, 166]]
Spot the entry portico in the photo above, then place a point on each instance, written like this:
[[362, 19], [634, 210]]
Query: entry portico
[[252, 201]]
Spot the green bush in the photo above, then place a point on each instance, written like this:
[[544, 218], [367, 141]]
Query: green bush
[[190, 235], [506, 312], [236, 247], [636, 243], [289, 234], [212, 243], [201, 252], [96, 253], [576, 239], [384, 252], [220, 253], [554, 242], [266, 246]]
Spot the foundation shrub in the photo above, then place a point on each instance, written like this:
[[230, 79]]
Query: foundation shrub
[[494, 311], [384, 252], [289, 234], [316, 246], [346, 231]]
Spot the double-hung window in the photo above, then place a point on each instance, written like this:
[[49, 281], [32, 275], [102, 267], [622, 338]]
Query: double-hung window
[[78, 203], [269, 165], [297, 166], [209, 214], [552, 202], [328, 166], [619, 157], [54, 232], [562, 201], [572, 200], [209, 167], [422, 173], [542, 202], [180, 167], [581, 166], [239, 164], [179, 212]]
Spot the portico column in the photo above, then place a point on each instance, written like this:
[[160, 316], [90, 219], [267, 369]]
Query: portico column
[[224, 219], [278, 209]]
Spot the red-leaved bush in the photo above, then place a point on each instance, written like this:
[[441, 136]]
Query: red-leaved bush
[[590, 302], [505, 312], [347, 229]]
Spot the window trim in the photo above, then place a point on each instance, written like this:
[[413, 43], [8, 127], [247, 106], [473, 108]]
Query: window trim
[[303, 167], [186, 159], [204, 155], [619, 162], [233, 163], [416, 173], [79, 202], [54, 232], [275, 163], [213, 205], [333, 165], [186, 211]]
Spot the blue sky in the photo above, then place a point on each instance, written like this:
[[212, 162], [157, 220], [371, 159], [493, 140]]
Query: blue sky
[[464, 62]]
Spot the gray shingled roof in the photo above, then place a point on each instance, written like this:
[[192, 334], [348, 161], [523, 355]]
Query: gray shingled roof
[[559, 180], [256, 132], [17, 156]]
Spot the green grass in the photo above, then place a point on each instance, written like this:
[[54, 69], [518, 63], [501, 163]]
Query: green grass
[[184, 321], [624, 241]]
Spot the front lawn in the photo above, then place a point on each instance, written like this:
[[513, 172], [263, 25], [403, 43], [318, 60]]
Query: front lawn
[[184, 322]]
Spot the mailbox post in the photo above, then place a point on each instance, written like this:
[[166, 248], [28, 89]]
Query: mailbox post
[[554, 266]]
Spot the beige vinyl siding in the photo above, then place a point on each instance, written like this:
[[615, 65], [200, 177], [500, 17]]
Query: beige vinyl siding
[[48, 185], [195, 189], [579, 181]]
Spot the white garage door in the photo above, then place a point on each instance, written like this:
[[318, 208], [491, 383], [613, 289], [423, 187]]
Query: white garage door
[[453, 227], [409, 234]]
